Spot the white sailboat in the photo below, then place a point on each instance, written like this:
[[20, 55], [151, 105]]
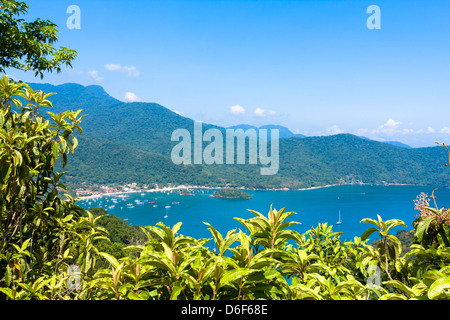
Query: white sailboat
[[340, 221]]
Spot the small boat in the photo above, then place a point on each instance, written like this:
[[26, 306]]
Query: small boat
[[175, 202], [167, 207], [340, 221]]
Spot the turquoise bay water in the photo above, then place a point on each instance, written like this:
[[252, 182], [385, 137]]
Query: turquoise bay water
[[314, 206]]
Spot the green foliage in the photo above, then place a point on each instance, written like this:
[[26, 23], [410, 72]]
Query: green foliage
[[263, 265], [120, 234], [41, 232], [29, 45], [406, 238]]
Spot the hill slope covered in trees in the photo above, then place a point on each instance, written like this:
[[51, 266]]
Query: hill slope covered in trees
[[131, 142]]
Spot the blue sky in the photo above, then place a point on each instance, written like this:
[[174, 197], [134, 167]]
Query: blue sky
[[312, 66]]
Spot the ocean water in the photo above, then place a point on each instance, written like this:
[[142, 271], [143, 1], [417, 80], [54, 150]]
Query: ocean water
[[314, 206]]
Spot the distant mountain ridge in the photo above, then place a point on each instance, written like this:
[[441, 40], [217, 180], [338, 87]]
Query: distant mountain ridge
[[398, 144], [131, 142], [283, 131], [394, 143]]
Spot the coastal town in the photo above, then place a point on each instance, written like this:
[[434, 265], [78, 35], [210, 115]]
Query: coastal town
[[95, 190], [99, 190]]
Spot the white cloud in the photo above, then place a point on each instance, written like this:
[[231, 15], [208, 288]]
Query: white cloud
[[95, 75], [259, 112], [131, 71], [237, 109], [131, 97], [431, 130], [445, 130], [390, 127], [334, 130], [391, 123], [406, 131]]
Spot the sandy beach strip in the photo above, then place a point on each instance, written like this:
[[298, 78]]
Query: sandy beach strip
[[165, 189]]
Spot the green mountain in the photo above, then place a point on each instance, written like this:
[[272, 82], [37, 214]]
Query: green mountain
[[131, 142], [147, 126]]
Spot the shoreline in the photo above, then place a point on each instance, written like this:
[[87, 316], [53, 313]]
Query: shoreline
[[164, 189]]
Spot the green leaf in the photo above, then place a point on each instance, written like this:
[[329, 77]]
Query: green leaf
[[112, 260], [304, 290], [176, 290], [8, 275], [55, 149], [74, 143], [401, 286], [25, 244], [393, 296], [395, 222], [367, 233], [8, 292], [233, 275], [438, 287], [134, 296], [372, 221], [422, 228], [290, 235]]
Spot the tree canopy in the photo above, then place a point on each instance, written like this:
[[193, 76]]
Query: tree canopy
[[29, 46]]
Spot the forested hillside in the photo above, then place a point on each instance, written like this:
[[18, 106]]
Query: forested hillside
[[130, 142]]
